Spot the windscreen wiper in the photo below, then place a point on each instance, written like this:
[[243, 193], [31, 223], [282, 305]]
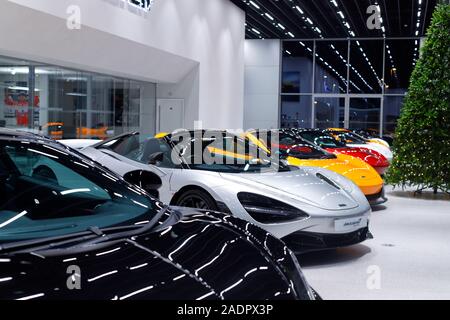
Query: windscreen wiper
[[103, 237], [93, 236]]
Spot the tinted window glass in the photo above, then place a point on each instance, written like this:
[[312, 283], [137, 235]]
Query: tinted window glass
[[48, 192], [322, 140], [224, 152], [133, 148]]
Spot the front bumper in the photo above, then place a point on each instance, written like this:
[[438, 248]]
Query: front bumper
[[378, 198], [301, 242], [381, 170]]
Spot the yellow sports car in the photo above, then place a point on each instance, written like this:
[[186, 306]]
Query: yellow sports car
[[299, 152]]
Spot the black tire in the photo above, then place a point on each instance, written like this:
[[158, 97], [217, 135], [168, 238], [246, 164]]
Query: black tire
[[197, 199]]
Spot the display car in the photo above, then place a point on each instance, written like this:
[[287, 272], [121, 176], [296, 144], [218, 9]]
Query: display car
[[354, 140], [310, 208], [71, 229], [299, 152], [372, 134], [55, 130], [330, 144]]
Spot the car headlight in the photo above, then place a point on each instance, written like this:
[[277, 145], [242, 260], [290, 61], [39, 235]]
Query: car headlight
[[267, 210]]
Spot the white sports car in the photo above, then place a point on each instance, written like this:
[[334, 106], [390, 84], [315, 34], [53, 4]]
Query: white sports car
[[309, 208], [354, 140]]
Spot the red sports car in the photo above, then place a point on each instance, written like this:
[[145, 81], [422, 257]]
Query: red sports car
[[327, 142]]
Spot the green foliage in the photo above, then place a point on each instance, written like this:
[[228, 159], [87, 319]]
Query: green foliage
[[422, 144]]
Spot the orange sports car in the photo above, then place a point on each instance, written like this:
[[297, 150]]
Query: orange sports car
[[55, 130]]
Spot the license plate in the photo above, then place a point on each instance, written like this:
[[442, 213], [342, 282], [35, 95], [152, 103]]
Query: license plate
[[350, 224]]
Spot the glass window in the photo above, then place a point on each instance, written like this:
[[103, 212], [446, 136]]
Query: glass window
[[366, 66], [32, 164], [16, 101], [392, 108], [365, 114], [331, 67], [69, 103], [299, 148], [132, 147], [296, 111], [321, 139], [400, 60], [363, 74], [297, 67], [329, 112], [46, 192]]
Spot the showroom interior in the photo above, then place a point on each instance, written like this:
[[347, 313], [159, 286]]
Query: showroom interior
[[114, 71]]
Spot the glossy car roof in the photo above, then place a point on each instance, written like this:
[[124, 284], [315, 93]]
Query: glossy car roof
[[17, 135]]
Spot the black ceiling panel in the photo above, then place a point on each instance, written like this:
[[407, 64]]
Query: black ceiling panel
[[400, 18], [347, 19]]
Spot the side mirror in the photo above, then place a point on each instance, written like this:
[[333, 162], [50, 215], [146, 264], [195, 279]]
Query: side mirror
[[148, 181], [155, 158]]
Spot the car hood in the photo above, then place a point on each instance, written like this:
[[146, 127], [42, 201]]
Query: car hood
[[186, 260], [372, 157], [354, 169], [298, 185], [386, 152]]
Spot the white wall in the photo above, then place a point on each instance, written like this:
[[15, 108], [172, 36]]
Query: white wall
[[164, 46], [187, 89], [262, 83]]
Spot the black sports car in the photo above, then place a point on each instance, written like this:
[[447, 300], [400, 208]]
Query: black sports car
[[71, 229]]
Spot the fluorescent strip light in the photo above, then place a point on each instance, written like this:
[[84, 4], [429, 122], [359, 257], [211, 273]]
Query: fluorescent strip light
[[269, 16], [16, 217], [341, 14], [299, 9], [82, 190], [254, 4], [22, 88]]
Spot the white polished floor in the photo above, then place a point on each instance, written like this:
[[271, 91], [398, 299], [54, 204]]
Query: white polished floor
[[410, 252]]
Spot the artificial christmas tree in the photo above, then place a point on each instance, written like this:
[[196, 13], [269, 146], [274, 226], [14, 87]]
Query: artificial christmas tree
[[422, 143]]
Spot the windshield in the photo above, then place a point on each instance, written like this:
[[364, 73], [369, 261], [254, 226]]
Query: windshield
[[349, 137], [47, 191], [298, 148], [322, 140], [212, 151]]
